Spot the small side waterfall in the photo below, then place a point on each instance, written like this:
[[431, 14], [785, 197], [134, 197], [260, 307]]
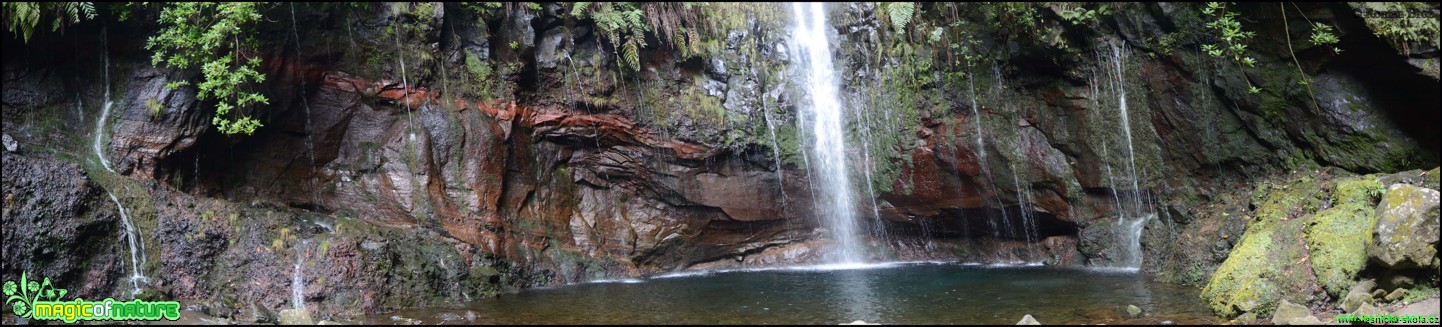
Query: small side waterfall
[[1131, 216], [137, 253], [297, 279], [98, 145], [775, 153], [828, 129], [309, 144]]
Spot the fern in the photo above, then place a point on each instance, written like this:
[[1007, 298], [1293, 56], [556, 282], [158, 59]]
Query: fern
[[24, 16], [631, 54], [901, 13]]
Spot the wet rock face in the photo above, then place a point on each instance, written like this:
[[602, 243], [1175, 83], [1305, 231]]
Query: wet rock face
[[1406, 233], [57, 226], [152, 123]]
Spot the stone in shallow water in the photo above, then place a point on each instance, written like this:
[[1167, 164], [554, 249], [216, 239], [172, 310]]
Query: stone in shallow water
[[295, 317], [1133, 310], [1028, 320], [858, 322]]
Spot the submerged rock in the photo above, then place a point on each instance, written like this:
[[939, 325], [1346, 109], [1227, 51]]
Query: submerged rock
[[1133, 310], [1028, 320], [1406, 234]]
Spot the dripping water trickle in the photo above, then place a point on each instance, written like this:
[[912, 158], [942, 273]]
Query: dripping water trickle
[[137, 252], [104, 108]]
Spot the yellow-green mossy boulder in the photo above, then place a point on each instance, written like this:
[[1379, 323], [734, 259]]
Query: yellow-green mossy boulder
[[1338, 236], [1406, 233], [1307, 234]]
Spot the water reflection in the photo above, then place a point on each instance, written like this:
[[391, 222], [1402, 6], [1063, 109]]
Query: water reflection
[[856, 297], [890, 294]]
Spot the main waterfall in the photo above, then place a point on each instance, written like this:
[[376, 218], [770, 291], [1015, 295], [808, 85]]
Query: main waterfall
[[828, 146]]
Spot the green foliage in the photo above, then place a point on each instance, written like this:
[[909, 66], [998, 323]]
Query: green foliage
[[153, 107], [1081, 15], [1423, 291], [900, 14], [621, 22], [1232, 36], [1400, 23], [1322, 35], [218, 38], [24, 16]]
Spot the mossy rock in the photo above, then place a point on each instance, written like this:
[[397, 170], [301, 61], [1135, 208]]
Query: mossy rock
[[1406, 229], [1338, 236], [1264, 267]]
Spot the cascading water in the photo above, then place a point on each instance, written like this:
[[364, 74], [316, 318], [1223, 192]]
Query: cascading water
[[986, 169], [1130, 219], [104, 109], [297, 279], [136, 261], [829, 144], [1028, 225], [309, 144], [775, 153]]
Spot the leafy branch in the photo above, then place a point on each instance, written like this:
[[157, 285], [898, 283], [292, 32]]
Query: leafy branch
[[218, 38], [24, 16], [1232, 35]]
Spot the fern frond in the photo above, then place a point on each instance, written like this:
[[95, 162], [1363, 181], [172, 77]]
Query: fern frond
[[901, 13], [632, 55]]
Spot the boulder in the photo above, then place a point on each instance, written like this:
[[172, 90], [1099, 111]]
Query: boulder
[[1428, 307], [295, 317], [1289, 313], [1359, 295], [1028, 320], [1396, 294], [1337, 240], [1406, 233], [1367, 309]]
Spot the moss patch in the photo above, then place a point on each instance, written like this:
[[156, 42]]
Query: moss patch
[[1338, 236]]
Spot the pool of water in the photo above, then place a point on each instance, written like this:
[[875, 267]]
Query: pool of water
[[906, 293]]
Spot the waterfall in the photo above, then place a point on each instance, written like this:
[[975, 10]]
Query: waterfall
[[104, 108], [1027, 217], [309, 145], [136, 277], [829, 147], [1130, 220], [297, 280], [996, 229], [775, 153]]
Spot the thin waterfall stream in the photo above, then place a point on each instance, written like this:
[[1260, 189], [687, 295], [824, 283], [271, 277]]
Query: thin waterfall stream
[[104, 109], [137, 253]]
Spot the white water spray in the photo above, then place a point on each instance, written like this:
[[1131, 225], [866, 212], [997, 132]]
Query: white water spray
[[830, 140]]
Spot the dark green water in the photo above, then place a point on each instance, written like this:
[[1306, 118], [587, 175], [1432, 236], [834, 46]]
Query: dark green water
[[889, 294]]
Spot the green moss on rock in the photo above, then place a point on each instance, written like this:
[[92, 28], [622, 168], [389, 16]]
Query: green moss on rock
[[1338, 236]]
